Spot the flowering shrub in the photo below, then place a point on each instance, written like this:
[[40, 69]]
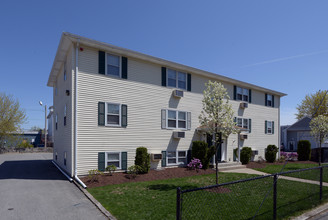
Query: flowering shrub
[[195, 164], [288, 155]]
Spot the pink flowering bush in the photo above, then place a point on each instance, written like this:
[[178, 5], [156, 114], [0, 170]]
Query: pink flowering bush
[[288, 155], [195, 164]]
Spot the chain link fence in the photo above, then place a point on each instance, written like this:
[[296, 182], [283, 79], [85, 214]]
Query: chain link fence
[[273, 196]]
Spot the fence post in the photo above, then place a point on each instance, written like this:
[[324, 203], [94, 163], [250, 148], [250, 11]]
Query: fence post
[[275, 196], [178, 203], [321, 173]]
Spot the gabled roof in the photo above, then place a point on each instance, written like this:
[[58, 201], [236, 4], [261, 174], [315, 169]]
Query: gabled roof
[[67, 39], [301, 125]]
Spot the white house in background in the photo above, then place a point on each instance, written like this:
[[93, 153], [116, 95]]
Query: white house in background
[[109, 100]]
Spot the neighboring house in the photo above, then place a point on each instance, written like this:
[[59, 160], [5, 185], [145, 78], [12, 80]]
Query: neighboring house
[[31, 137], [300, 130], [109, 100]]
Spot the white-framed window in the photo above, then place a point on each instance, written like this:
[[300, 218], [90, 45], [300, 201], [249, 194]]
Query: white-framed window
[[65, 74], [56, 121], [113, 158], [176, 119], [244, 123], [269, 100], [176, 79], [269, 127], [176, 157], [113, 114], [113, 65], [65, 114], [65, 157], [242, 94]]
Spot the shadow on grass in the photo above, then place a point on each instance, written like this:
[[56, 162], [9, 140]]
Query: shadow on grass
[[168, 187]]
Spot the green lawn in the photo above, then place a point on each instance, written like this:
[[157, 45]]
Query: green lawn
[[311, 174], [157, 199]]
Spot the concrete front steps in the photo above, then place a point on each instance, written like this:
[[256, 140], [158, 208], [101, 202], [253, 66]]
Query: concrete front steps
[[223, 166]]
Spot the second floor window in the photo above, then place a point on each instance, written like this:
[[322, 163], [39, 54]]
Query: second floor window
[[176, 79], [244, 123], [242, 94], [113, 65], [113, 114], [269, 100], [176, 119]]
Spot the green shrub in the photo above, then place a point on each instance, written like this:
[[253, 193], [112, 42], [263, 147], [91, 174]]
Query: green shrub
[[271, 153], [200, 150], [94, 175], [111, 169], [142, 159], [133, 171], [245, 155], [304, 150], [25, 144]]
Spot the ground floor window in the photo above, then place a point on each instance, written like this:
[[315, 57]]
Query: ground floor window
[[176, 157], [113, 158]]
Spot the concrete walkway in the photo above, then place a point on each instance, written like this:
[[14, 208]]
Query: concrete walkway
[[252, 171]]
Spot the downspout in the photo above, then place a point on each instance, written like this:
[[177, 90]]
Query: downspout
[[75, 114], [279, 130]]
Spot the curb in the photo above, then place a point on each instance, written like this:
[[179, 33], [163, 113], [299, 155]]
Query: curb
[[95, 202]]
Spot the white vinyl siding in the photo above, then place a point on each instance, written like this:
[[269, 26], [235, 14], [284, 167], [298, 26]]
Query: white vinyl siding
[[146, 97]]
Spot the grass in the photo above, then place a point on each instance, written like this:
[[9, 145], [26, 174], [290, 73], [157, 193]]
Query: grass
[[157, 199], [310, 175]]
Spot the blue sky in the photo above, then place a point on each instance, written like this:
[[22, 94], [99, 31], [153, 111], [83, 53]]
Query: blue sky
[[281, 45]]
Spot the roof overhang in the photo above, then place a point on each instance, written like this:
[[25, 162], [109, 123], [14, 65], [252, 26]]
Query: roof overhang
[[67, 39]]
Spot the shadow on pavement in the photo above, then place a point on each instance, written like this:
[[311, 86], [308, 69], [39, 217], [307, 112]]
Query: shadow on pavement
[[30, 169]]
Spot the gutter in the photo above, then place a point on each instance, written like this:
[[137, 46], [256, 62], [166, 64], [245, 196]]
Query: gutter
[[75, 114], [68, 177]]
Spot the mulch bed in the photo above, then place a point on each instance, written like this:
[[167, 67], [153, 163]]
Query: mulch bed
[[257, 165], [167, 173]]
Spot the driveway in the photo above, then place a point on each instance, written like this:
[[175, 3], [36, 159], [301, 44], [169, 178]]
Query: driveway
[[31, 187]]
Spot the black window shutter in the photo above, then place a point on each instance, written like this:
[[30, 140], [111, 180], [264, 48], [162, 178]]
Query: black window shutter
[[272, 127], [266, 127], [101, 62], [266, 99], [101, 161], [235, 119], [163, 158], [164, 76], [234, 92], [250, 96], [101, 113], [124, 160], [124, 68], [124, 115], [188, 156], [273, 101], [189, 82], [249, 125]]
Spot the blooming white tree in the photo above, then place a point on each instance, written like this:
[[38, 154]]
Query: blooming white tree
[[217, 114], [319, 130]]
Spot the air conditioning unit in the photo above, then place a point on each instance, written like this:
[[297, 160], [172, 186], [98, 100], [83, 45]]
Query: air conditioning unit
[[156, 157], [255, 152], [243, 105], [178, 93], [179, 134], [243, 136]]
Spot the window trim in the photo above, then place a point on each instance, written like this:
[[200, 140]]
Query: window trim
[[267, 130], [176, 157], [120, 66], [242, 94], [242, 122], [119, 114], [119, 161], [176, 79], [176, 120]]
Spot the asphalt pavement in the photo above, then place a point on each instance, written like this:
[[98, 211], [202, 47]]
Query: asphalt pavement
[[31, 187]]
